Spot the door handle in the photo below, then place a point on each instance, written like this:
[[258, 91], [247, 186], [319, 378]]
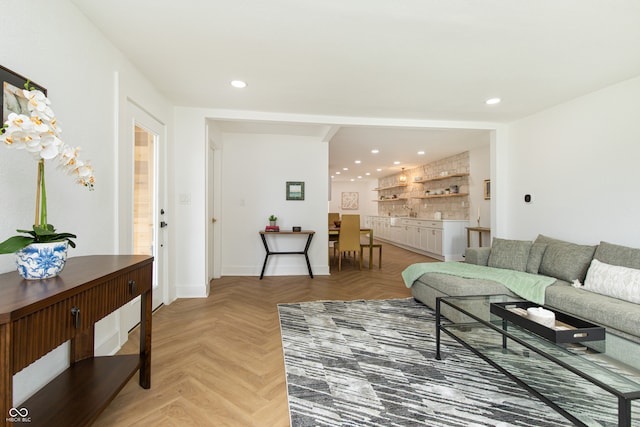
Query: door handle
[[163, 224], [75, 313]]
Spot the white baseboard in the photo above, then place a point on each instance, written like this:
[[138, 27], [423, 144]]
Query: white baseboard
[[279, 270], [192, 291], [109, 346]]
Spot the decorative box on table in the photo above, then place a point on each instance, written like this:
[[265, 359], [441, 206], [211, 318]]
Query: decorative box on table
[[569, 329]]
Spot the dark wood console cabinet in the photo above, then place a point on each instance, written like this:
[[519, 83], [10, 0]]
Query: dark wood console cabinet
[[38, 316]]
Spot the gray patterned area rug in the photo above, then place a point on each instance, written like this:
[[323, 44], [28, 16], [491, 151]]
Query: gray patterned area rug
[[372, 363]]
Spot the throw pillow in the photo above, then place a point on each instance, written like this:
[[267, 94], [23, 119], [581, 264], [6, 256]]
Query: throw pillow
[[564, 260], [535, 257], [615, 281], [509, 254]]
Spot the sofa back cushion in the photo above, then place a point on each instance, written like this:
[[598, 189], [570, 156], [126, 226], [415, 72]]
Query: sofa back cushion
[[509, 254], [564, 260], [618, 255], [535, 257]]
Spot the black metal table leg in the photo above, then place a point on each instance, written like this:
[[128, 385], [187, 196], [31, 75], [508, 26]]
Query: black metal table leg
[[266, 257], [624, 412], [306, 254], [438, 329]]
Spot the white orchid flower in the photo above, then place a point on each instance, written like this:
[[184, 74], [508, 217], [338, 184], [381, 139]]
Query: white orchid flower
[[39, 134], [18, 122], [84, 171], [49, 152], [39, 125], [37, 100]]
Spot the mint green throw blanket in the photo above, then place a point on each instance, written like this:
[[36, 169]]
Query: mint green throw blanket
[[528, 286]]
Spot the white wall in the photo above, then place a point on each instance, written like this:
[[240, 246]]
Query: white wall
[[255, 169], [188, 157], [366, 197], [579, 161], [53, 44]]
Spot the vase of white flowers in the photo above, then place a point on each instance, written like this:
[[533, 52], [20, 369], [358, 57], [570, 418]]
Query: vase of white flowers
[[41, 251]]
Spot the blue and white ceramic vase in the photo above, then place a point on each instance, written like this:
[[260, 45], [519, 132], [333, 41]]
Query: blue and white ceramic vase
[[41, 260]]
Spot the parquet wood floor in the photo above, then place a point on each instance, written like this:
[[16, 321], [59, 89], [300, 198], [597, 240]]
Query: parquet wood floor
[[218, 361]]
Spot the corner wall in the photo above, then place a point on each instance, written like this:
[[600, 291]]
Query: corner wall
[[579, 162]]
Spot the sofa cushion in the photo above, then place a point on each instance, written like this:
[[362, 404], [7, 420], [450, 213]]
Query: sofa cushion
[[618, 255], [477, 256], [535, 257], [596, 308], [564, 260], [613, 280], [509, 254]]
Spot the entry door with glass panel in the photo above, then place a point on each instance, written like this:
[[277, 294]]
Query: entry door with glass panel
[[142, 215]]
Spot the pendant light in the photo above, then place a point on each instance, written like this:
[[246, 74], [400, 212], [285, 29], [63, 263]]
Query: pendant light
[[402, 178]]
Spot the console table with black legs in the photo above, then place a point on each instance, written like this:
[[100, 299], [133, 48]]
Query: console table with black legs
[[304, 252]]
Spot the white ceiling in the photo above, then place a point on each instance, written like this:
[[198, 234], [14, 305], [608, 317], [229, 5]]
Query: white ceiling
[[395, 145], [408, 59]]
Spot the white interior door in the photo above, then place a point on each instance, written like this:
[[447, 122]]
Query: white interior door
[[214, 220], [143, 216]]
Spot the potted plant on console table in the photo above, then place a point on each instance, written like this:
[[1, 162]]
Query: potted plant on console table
[[41, 252]]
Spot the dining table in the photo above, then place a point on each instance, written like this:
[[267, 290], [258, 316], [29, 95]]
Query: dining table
[[334, 233]]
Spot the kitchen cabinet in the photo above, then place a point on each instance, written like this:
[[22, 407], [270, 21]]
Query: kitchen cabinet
[[440, 239], [398, 234]]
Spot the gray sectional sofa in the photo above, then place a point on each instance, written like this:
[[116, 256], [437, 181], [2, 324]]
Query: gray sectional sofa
[[568, 263]]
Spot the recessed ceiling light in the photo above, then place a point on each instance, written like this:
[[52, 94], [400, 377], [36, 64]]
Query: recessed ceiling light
[[492, 101], [368, 173], [421, 153], [396, 162], [338, 173], [359, 176], [238, 84], [378, 170], [352, 180], [345, 169], [357, 162], [374, 151]]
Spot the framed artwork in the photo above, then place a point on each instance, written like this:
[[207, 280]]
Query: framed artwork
[[487, 189], [295, 190], [350, 200], [11, 97]]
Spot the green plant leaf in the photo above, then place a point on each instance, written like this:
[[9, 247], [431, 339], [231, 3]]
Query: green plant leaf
[[45, 233], [15, 243]]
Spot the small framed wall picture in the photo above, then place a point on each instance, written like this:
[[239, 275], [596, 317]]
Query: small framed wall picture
[[350, 200], [295, 190], [487, 189]]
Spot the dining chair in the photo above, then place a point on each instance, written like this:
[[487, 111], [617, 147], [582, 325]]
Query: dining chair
[[366, 243], [333, 217], [349, 239]]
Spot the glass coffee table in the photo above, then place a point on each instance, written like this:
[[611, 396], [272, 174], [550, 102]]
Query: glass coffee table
[[586, 382]]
